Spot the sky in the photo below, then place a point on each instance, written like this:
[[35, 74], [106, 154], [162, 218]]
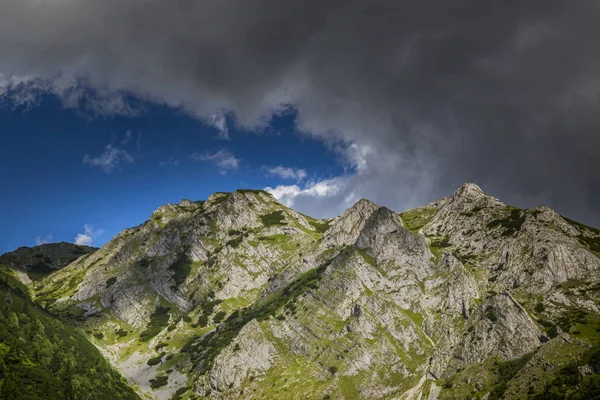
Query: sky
[[109, 109]]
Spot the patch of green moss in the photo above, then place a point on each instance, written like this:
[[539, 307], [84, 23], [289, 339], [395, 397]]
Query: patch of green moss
[[417, 218], [437, 244], [511, 224], [276, 218], [416, 317], [321, 226]]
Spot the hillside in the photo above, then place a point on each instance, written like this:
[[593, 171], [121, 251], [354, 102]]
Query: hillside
[[39, 261], [239, 296], [42, 358]]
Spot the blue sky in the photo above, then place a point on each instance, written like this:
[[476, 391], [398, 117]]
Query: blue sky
[[66, 172]]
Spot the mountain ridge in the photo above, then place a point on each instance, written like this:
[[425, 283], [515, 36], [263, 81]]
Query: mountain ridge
[[239, 296]]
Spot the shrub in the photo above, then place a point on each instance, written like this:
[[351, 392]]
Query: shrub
[[235, 242], [202, 321], [539, 307], [111, 281], [490, 314], [98, 335], [274, 218], [159, 381], [219, 317], [158, 320], [511, 224], [160, 346], [155, 360]]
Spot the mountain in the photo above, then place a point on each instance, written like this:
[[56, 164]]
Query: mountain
[[44, 259], [239, 296]]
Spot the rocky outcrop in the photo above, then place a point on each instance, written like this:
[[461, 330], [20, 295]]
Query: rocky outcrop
[[249, 355]]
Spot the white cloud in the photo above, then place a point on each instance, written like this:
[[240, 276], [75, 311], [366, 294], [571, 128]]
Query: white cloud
[[219, 121], [44, 239], [108, 160], [287, 194], [87, 238], [75, 93], [379, 176], [286, 173], [224, 159]]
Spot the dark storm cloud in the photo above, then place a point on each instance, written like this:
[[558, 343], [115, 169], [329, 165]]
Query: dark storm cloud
[[433, 93]]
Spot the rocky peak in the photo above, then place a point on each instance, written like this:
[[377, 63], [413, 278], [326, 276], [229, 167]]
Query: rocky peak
[[347, 227], [469, 191], [381, 222]]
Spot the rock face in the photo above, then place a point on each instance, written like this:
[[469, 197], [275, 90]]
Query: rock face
[[241, 297]]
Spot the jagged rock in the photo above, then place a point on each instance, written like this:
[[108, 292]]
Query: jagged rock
[[250, 354]]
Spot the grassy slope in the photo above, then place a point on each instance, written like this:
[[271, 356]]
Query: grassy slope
[[41, 358]]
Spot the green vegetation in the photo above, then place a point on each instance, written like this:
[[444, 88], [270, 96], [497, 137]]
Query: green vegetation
[[582, 226], [41, 358], [203, 351], [437, 244], [592, 243], [98, 335], [273, 219], [180, 392], [111, 281], [539, 307], [181, 269], [417, 218], [159, 381], [569, 383], [504, 372], [491, 314], [159, 346], [220, 197], [472, 212], [321, 227], [219, 317], [155, 360], [235, 242], [158, 321], [367, 257], [511, 224], [252, 191]]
